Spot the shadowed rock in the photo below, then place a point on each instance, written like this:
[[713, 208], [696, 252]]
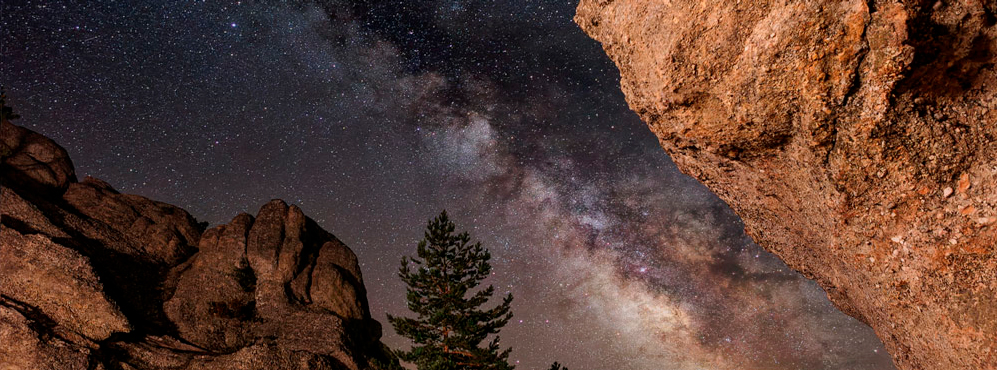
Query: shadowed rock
[[275, 275]]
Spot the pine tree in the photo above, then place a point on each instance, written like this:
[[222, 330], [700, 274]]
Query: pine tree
[[450, 324], [557, 366]]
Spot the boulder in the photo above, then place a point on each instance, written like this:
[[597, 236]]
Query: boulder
[[157, 232], [276, 275], [214, 296], [39, 162]]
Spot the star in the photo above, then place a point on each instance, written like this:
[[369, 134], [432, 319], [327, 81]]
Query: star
[[375, 115]]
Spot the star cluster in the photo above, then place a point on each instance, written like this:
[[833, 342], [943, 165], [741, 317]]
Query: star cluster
[[375, 115]]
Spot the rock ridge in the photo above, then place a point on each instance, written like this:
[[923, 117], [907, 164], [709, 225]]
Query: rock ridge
[[94, 279]]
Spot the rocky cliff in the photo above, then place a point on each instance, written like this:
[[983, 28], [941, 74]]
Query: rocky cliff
[[94, 279], [856, 139]]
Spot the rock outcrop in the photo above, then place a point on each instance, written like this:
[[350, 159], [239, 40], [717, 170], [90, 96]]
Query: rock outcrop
[[856, 139], [94, 279]]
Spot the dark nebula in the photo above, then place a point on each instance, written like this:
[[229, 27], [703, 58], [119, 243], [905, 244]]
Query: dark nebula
[[375, 115]]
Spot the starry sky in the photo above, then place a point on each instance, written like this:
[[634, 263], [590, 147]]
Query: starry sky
[[375, 115]]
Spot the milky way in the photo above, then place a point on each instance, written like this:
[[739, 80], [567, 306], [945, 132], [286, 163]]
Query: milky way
[[374, 116]]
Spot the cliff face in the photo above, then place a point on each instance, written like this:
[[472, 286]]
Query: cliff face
[[94, 279], [856, 139]]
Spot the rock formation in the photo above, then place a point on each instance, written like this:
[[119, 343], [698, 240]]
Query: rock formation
[[94, 279], [856, 139]]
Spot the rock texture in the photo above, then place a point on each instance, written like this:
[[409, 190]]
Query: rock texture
[[94, 279], [856, 139]]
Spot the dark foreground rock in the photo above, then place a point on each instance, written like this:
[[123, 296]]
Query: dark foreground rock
[[856, 139], [94, 279]]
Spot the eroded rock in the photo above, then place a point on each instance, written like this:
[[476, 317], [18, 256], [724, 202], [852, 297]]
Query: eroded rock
[[855, 139], [60, 283], [263, 276], [24, 348], [91, 278], [34, 160]]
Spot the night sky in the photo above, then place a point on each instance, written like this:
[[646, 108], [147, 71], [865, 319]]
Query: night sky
[[373, 116]]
